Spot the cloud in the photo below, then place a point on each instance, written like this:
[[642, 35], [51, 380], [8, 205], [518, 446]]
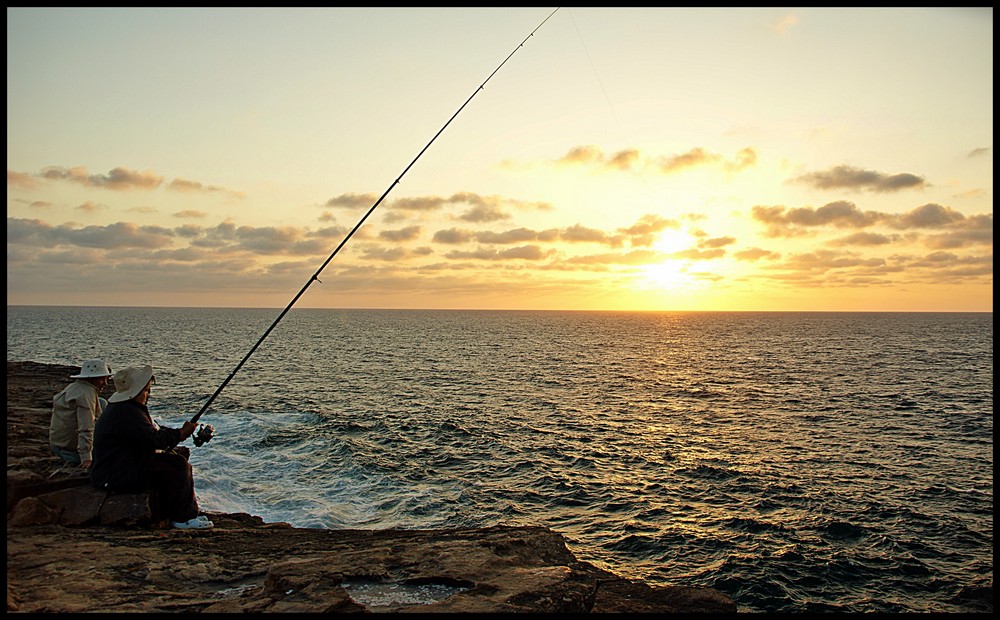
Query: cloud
[[183, 185], [524, 252], [90, 207], [453, 236], [623, 160], [189, 213], [858, 179], [587, 154], [717, 242], [351, 201], [635, 257], [699, 254], [21, 180], [328, 232], [111, 236], [118, 179], [863, 239], [484, 213], [783, 222], [978, 152], [643, 232], [972, 194], [404, 234], [516, 235], [142, 209], [478, 208], [947, 265], [225, 238], [482, 249], [649, 224], [832, 268], [930, 215], [755, 254], [632, 160], [825, 260], [420, 203], [578, 234], [960, 239], [698, 157], [784, 23], [385, 254], [267, 239], [640, 234]]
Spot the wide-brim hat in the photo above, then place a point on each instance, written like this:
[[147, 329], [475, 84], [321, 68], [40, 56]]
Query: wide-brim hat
[[130, 381], [93, 369]]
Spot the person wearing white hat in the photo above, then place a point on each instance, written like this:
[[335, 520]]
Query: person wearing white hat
[[74, 411], [133, 454]]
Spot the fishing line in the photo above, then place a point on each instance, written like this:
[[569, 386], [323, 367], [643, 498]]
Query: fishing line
[[205, 433], [597, 75]]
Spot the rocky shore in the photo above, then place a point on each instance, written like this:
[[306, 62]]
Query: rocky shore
[[71, 548]]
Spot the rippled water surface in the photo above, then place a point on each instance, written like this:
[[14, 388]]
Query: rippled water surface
[[795, 461]]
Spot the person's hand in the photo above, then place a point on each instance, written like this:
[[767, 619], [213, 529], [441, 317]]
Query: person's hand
[[188, 429], [85, 464]]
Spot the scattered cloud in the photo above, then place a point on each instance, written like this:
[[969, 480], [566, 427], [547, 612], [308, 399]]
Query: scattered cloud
[[183, 185], [118, 179], [404, 234], [848, 177], [879, 245], [190, 213], [21, 180], [593, 157], [784, 23], [783, 222], [91, 207], [524, 252], [755, 254]]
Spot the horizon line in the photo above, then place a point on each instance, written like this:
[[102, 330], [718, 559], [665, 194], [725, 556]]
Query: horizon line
[[619, 310]]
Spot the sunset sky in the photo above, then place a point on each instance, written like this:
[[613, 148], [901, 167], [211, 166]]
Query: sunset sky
[[621, 159]]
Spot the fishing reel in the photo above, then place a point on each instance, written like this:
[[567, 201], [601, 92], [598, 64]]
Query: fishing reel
[[203, 435]]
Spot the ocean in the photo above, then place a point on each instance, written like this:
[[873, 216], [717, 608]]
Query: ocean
[[798, 462]]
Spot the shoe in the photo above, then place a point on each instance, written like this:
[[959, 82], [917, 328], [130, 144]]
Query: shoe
[[198, 523]]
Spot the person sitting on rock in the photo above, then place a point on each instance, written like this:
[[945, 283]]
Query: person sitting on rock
[[74, 412], [133, 454]]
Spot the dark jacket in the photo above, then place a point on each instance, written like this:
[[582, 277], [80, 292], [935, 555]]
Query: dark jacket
[[125, 438]]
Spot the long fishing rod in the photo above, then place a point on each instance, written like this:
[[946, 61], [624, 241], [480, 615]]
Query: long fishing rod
[[205, 433]]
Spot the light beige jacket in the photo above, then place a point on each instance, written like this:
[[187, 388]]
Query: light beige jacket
[[74, 411]]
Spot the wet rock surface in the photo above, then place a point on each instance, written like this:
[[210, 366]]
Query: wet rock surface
[[72, 548]]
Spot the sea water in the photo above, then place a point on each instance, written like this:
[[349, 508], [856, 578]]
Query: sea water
[[798, 462]]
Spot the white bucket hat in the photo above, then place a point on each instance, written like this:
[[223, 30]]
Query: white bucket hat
[[130, 381], [92, 369]]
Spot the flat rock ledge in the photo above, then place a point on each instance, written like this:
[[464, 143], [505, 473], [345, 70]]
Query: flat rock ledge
[[72, 548]]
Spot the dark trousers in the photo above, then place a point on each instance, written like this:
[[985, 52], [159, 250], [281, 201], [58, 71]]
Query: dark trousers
[[173, 487]]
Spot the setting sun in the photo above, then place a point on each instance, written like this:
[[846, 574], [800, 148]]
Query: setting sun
[[671, 273], [671, 241]]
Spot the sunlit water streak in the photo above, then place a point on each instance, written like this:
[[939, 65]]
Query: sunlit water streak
[[796, 461]]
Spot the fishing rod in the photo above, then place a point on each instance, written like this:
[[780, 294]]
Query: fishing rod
[[206, 432]]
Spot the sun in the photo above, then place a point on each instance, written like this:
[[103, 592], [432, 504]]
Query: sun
[[670, 241], [670, 272]]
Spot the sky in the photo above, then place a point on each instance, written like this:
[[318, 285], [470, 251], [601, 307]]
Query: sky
[[667, 159]]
